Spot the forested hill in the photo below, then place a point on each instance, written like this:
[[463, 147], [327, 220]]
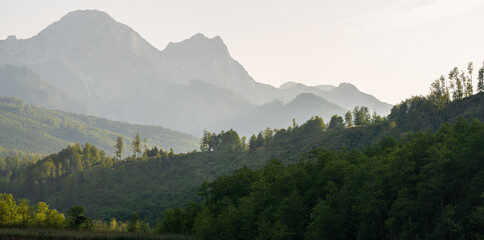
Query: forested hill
[[415, 114], [31, 129], [159, 180], [425, 186]]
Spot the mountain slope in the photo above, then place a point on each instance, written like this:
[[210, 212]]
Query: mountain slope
[[23, 83], [37, 130], [348, 96], [188, 108], [209, 60], [110, 67], [87, 52]]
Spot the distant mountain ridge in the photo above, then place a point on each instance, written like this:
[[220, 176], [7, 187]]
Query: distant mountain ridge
[[345, 95], [121, 76], [280, 115]]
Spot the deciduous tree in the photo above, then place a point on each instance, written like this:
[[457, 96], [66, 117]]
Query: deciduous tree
[[118, 147]]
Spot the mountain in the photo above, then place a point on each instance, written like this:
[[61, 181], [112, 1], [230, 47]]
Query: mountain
[[325, 87], [346, 95], [120, 76], [279, 115], [209, 60], [87, 52], [288, 85], [23, 83], [31, 129]]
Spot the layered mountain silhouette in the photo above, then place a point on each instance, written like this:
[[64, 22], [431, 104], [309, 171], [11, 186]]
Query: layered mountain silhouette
[[189, 86]]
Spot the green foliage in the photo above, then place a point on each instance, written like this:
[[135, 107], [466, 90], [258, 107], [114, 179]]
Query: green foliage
[[134, 223], [29, 129], [361, 116], [480, 78], [256, 142], [225, 141], [23, 215], [349, 119], [427, 186], [136, 145], [336, 122], [77, 220], [118, 147]]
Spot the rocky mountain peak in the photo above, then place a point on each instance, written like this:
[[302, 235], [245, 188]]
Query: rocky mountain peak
[[199, 43], [347, 86]]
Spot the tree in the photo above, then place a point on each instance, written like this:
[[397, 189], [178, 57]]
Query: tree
[[460, 82], [480, 77], [243, 141], [173, 221], [357, 119], [171, 154], [469, 91], [361, 116], [118, 147], [145, 152], [268, 134], [253, 143], [8, 208], [134, 223], [336, 122], [439, 94], [54, 219], [348, 119], [230, 141], [256, 142], [136, 145], [40, 214], [375, 118], [205, 141], [260, 140], [366, 115], [453, 77], [23, 210], [76, 217], [113, 224]]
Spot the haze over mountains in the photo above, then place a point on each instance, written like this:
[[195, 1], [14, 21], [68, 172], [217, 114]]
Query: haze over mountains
[[189, 86]]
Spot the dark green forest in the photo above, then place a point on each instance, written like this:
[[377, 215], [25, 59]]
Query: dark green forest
[[426, 186]]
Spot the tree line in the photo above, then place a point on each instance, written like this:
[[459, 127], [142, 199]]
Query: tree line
[[231, 142], [456, 86], [20, 214]]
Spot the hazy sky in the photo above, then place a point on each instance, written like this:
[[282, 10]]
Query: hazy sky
[[392, 49]]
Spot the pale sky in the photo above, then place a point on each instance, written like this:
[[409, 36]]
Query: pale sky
[[392, 49]]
